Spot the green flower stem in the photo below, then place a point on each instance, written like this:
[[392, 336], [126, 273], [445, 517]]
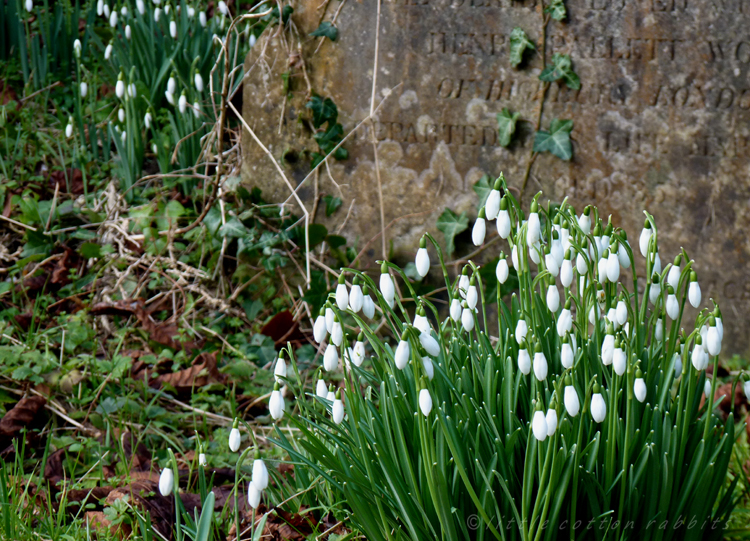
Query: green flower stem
[[237, 473], [177, 501]]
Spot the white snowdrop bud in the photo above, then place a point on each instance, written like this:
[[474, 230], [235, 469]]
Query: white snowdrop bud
[[673, 276], [387, 288], [234, 438], [608, 346], [358, 352], [540, 363], [422, 261], [656, 263], [69, 128], [566, 273], [320, 389], [124, 11], [472, 296], [319, 327], [182, 103], [467, 319], [492, 206], [502, 271], [154, 148], [551, 421], [639, 387], [539, 425], [253, 496], [121, 114], [570, 398], [128, 32], [659, 330], [368, 306], [567, 357], [430, 345], [251, 40], [533, 231], [699, 357], [556, 250], [166, 482], [619, 359], [613, 267], [503, 219], [521, 330], [480, 229], [719, 323], [356, 299], [694, 290], [77, 48], [280, 371], [645, 238], [140, 6], [342, 295], [202, 459], [564, 320], [677, 365], [331, 358], [132, 90], [157, 14], [331, 396], [612, 317], [601, 269], [464, 282], [551, 263], [582, 265], [108, 51], [622, 253], [535, 253], [260, 474], [655, 291], [173, 29], [553, 297], [455, 310], [514, 257], [337, 410], [120, 88], [191, 12], [746, 388], [84, 89], [276, 404], [105, 10], [713, 340], [429, 368], [202, 19], [598, 406], [330, 318], [524, 360], [403, 351], [621, 312], [584, 222], [147, 120], [707, 389], [29, 4], [198, 80], [421, 322], [113, 19], [223, 7], [672, 306], [425, 402]]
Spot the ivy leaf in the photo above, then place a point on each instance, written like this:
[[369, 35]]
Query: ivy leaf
[[451, 225], [482, 188], [519, 42], [233, 228], [323, 110], [556, 9], [332, 204], [561, 68], [506, 126], [327, 30], [557, 140]]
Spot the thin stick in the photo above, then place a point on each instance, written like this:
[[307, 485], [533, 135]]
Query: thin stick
[[372, 132]]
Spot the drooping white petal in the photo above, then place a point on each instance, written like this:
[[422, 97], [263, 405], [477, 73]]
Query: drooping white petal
[[572, 403], [551, 419], [276, 405], [608, 349], [478, 232], [337, 411], [502, 270], [455, 310], [425, 402], [368, 307], [430, 345], [234, 439], [387, 289], [503, 224], [540, 366], [260, 474], [619, 361], [566, 355], [524, 362], [492, 205], [521, 330], [598, 408], [639, 389], [280, 371], [402, 354], [331, 358], [694, 294], [553, 298], [253, 496], [342, 297], [467, 319], [166, 482], [539, 426], [356, 299], [319, 329], [422, 262]]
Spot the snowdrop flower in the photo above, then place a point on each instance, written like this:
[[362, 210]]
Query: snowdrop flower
[[331, 396], [128, 32], [276, 403], [260, 474], [713, 340], [524, 360], [535, 253], [619, 359], [502, 271], [173, 29], [84, 87], [699, 357], [533, 232], [567, 356], [503, 219], [251, 40], [147, 119], [69, 128], [337, 410], [719, 322], [455, 310], [191, 12], [655, 262], [556, 249], [514, 257], [472, 296], [166, 482], [467, 319], [368, 306], [655, 290], [202, 19], [202, 458], [672, 306], [77, 48], [639, 387], [120, 86], [342, 295], [597, 241], [330, 318], [659, 330], [746, 388], [694, 290], [566, 270], [551, 419], [29, 5], [356, 299], [613, 266], [319, 327], [253, 496], [584, 222], [621, 312], [280, 371], [425, 402], [570, 398], [645, 237], [358, 351], [331, 358], [386, 286], [223, 7], [421, 323], [124, 11], [108, 51], [167, 8], [608, 346], [132, 91], [553, 297], [564, 320], [582, 265], [707, 389], [113, 19], [105, 10], [320, 389], [121, 114], [234, 436], [429, 368], [612, 318], [157, 14], [565, 235], [140, 6], [492, 206], [540, 363], [403, 351], [480, 229], [551, 263], [521, 330], [673, 277], [598, 406], [539, 423], [422, 261], [464, 282], [622, 253], [198, 80], [182, 105], [430, 345]]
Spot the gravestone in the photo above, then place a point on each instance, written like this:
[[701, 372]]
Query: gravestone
[[660, 119]]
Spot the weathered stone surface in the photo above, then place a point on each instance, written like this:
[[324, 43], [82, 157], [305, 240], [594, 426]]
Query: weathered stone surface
[[661, 119]]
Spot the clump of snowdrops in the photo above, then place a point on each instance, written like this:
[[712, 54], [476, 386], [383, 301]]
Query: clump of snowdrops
[[578, 417]]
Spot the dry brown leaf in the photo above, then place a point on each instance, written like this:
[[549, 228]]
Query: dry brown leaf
[[26, 414]]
